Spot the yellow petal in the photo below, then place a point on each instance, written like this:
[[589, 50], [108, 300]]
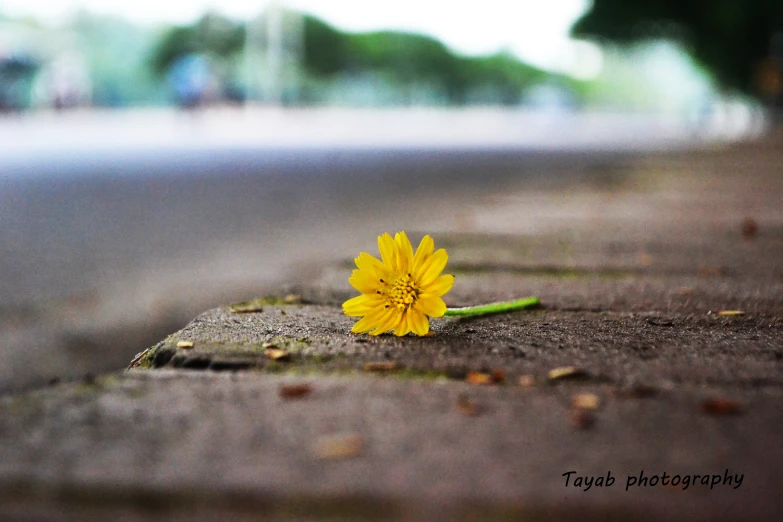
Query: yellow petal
[[372, 265], [432, 267], [388, 249], [424, 251], [365, 282], [362, 305], [440, 286], [404, 327], [420, 325], [431, 305], [404, 251], [387, 322], [366, 323]]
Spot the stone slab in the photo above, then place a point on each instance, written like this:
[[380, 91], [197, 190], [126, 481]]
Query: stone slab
[[633, 268]]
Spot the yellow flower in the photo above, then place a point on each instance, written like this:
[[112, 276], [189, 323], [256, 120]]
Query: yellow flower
[[401, 292]]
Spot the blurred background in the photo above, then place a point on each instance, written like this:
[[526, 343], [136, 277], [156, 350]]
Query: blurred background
[[159, 158], [678, 58]]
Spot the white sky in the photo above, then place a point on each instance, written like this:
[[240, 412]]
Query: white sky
[[534, 30]]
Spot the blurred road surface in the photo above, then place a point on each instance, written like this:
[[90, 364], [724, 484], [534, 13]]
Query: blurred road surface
[[117, 228]]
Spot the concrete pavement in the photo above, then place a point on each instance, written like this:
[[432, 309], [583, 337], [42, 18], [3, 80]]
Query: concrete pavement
[[634, 265]]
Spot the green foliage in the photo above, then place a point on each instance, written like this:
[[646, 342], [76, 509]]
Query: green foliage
[[213, 35], [406, 58], [501, 73], [325, 49], [729, 37]]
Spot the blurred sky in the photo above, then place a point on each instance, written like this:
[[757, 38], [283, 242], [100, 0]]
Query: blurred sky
[[536, 31]]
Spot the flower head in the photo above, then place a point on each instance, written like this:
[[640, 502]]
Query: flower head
[[401, 292]]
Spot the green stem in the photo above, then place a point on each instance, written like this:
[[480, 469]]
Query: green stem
[[493, 308]]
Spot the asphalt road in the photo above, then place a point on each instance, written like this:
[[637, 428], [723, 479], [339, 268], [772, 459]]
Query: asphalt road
[[90, 197]]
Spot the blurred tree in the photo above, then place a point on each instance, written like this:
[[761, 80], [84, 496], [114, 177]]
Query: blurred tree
[[213, 36], [504, 76], [732, 38], [325, 50], [400, 61], [407, 59]]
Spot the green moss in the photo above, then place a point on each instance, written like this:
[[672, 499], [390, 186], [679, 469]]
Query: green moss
[[299, 363], [419, 374], [94, 385], [257, 305], [146, 359], [547, 271], [277, 366], [292, 345]]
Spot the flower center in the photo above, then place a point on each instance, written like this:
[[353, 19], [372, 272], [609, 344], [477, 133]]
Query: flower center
[[403, 292]]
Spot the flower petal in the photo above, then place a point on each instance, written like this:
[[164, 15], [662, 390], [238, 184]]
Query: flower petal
[[419, 323], [431, 305], [388, 249], [362, 305], [424, 251], [365, 282], [389, 321], [404, 251], [440, 286], [368, 322], [432, 267], [404, 327], [371, 265]]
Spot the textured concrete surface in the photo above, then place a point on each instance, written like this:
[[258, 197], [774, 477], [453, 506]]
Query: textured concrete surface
[[168, 442], [633, 265]]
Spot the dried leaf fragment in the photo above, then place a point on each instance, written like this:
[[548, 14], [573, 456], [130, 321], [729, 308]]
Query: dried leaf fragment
[[644, 259], [565, 373], [466, 406], [710, 271], [527, 381], [343, 446], [730, 313], [720, 406], [478, 378], [749, 228], [641, 391], [276, 354], [585, 401], [498, 376], [294, 391], [381, 366], [138, 358], [582, 419], [185, 345]]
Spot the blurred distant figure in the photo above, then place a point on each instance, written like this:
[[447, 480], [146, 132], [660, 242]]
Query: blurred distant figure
[[191, 81], [64, 82], [16, 74]]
